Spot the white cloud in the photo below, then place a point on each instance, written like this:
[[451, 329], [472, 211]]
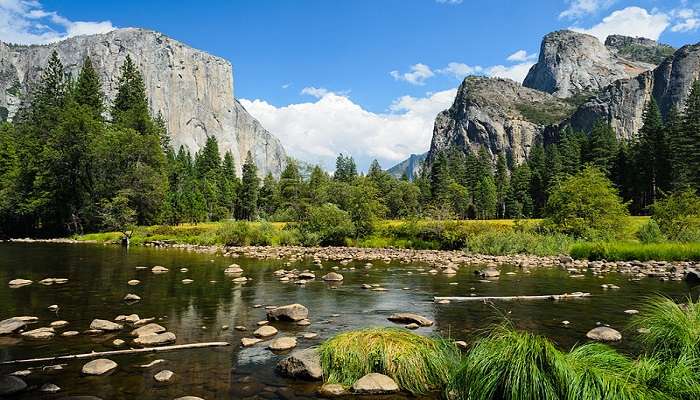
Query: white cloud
[[317, 131], [460, 70], [685, 20], [630, 21], [580, 8], [315, 92], [521, 56], [516, 72], [26, 22], [286, 85], [418, 75]]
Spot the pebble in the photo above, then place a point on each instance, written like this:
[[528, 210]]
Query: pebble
[[164, 376]]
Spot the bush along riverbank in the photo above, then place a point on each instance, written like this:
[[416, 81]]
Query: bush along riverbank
[[508, 364]]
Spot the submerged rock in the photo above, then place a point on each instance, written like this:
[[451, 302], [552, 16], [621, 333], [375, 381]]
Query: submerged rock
[[100, 366], [291, 312], [604, 334], [375, 383], [408, 318], [11, 325], [332, 277], [332, 390], [40, 334], [11, 385], [146, 330], [302, 364], [104, 325], [265, 331], [283, 343], [247, 342], [156, 339]]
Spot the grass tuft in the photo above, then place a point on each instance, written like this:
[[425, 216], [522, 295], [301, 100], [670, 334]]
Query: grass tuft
[[418, 364], [674, 329]]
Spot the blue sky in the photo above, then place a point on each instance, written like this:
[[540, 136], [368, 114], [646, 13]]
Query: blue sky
[[364, 77]]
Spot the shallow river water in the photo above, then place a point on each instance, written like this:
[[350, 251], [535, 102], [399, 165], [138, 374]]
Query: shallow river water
[[196, 312]]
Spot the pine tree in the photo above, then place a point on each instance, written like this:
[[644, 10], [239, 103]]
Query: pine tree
[[248, 194], [316, 188], [652, 155], [130, 108], [570, 146], [268, 198], [601, 148], [228, 184], [690, 137], [485, 198], [502, 185], [538, 179], [439, 179], [88, 90], [676, 144], [519, 201], [208, 158], [290, 188]]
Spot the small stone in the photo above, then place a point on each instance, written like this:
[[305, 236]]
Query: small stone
[[118, 343], [131, 297], [309, 335], [247, 342], [240, 328], [265, 331], [301, 364], [152, 363], [261, 323], [159, 269], [332, 277], [18, 283], [49, 388], [304, 322], [631, 312], [100, 366], [187, 281], [332, 390], [291, 312], [133, 282], [412, 326], [58, 324], [70, 333], [39, 334], [374, 383], [461, 344], [565, 322], [604, 334], [163, 376], [410, 318], [149, 329], [104, 325], [241, 279], [11, 325], [53, 307], [157, 339], [283, 343]]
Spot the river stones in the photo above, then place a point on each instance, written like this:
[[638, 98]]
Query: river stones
[[11, 325], [187, 281], [104, 325], [604, 334], [490, 272], [148, 329], [70, 333], [332, 390], [130, 297], [100, 366], [49, 388], [118, 343], [18, 283], [133, 282], [158, 269], [155, 340], [301, 364], [164, 376], [408, 318], [265, 331], [247, 342], [11, 385], [40, 334], [291, 312], [332, 277], [283, 343], [374, 383], [233, 269], [58, 324]]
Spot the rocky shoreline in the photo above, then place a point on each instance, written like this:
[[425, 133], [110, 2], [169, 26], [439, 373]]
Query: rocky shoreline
[[438, 259]]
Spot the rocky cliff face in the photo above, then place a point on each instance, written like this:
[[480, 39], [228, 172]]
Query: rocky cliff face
[[622, 103], [572, 63], [192, 89], [412, 166], [639, 49], [499, 114]]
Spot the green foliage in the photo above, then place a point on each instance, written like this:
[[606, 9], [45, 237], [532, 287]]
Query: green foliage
[[673, 329], [116, 214], [678, 215], [601, 148], [242, 233], [548, 113], [416, 363], [248, 194], [587, 206], [345, 169], [326, 225], [650, 233]]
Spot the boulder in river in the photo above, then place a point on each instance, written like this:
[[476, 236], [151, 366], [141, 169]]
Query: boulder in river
[[332, 277], [148, 329], [407, 318], [302, 364], [104, 325], [490, 273], [604, 334], [265, 331], [291, 312], [375, 383], [247, 342], [283, 343], [40, 333], [10, 325], [10, 385], [100, 366], [156, 339]]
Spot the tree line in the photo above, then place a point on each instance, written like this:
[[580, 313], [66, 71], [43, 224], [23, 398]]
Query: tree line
[[71, 163]]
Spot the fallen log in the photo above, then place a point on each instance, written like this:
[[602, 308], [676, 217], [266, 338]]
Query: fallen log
[[118, 352], [515, 298]]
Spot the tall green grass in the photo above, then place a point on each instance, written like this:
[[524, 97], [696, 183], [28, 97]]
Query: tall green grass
[[627, 251], [673, 329], [418, 364]]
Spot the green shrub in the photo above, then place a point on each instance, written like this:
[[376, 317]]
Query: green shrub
[[678, 215], [289, 236], [520, 242], [650, 233], [587, 206], [326, 225], [236, 233], [418, 364]]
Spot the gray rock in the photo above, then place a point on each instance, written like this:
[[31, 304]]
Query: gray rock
[[100, 366], [11, 325], [155, 340], [302, 364], [490, 273], [164, 376], [604, 334], [291, 312], [265, 331], [192, 89], [332, 277], [408, 318], [49, 388], [283, 343], [148, 329], [17, 283], [40, 333], [11, 385], [247, 342], [105, 325], [332, 390], [692, 276], [375, 383]]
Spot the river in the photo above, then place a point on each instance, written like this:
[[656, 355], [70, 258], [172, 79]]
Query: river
[[197, 312]]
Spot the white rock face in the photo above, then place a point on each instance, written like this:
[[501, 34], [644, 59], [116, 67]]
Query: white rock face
[[192, 89]]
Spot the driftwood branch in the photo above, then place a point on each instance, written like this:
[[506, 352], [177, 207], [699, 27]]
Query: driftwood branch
[[118, 352], [511, 298]]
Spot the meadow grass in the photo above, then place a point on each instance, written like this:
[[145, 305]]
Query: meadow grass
[[627, 251], [417, 364]]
